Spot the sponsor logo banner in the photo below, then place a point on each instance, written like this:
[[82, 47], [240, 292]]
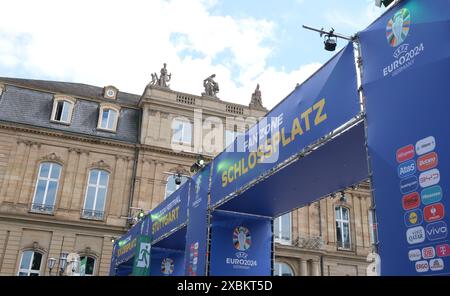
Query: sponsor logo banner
[[443, 250], [437, 264], [415, 255], [411, 201], [436, 231], [415, 235], [429, 178], [428, 253], [407, 169], [413, 218], [422, 266], [425, 145], [405, 153], [434, 212], [431, 195], [427, 162], [409, 184]]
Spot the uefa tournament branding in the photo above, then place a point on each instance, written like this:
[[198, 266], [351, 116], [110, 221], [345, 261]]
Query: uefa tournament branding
[[167, 266], [421, 199], [397, 31], [242, 242]]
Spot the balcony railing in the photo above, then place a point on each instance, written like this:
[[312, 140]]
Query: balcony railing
[[310, 242], [91, 214], [42, 208]]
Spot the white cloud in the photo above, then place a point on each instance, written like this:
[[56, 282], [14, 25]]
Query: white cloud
[[121, 43]]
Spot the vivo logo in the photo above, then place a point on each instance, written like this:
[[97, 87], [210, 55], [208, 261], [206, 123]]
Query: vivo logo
[[437, 231], [422, 266], [409, 184], [414, 255], [429, 178], [415, 235], [407, 169], [431, 195], [425, 145], [436, 264]]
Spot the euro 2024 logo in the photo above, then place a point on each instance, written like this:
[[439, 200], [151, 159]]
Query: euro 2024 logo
[[242, 239], [397, 30]]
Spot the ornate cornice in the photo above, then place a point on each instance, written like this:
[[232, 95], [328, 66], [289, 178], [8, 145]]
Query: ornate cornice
[[101, 164], [52, 157]]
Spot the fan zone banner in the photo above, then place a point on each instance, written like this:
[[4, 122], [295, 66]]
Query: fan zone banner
[[196, 237], [171, 213], [240, 245], [326, 101], [406, 70]]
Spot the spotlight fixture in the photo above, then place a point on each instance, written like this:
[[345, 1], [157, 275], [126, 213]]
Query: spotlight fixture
[[141, 214], [330, 37], [178, 179], [198, 165], [386, 3], [113, 240]]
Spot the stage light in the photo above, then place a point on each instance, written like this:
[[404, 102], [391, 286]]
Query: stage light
[[330, 43], [383, 2], [199, 164]]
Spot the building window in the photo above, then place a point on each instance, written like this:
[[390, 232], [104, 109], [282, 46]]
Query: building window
[[181, 132], [94, 202], [62, 110], [343, 228], [282, 269], [108, 118], [46, 188], [171, 187], [30, 264], [90, 265], [282, 229]]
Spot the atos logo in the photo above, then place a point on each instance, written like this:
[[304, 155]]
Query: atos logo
[[415, 235], [443, 250], [425, 145], [427, 162], [409, 185], [414, 255], [434, 212], [436, 264], [422, 266], [431, 195], [429, 178], [436, 231], [428, 253], [405, 153], [413, 218], [411, 201], [407, 169]]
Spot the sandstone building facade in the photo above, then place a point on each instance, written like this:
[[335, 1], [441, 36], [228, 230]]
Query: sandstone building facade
[[77, 162]]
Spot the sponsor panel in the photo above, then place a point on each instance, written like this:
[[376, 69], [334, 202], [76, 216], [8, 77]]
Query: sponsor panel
[[431, 195], [443, 250], [409, 185], [414, 255], [405, 153], [436, 231], [437, 264], [429, 178], [427, 162], [428, 253], [425, 145], [407, 169], [415, 235], [411, 201], [422, 266], [413, 218], [434, 212]]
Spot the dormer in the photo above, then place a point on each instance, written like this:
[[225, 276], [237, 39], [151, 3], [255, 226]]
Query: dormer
[[110, 92], [2, 88]]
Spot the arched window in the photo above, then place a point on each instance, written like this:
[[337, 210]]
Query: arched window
[[282, 229], [46, 187], [62, 109], [171, 187], [181, 132], [89, 267], [343, 237], [94, 201], [30, 263], [108, 118], [282, 269]]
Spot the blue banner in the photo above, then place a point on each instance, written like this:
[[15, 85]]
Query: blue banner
[[406, 70], [196, 238], [240, 245], [167, 262], [171, 213], [327, 100], [125, 247]]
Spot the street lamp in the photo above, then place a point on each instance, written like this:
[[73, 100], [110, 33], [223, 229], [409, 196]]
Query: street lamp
[[62, 262], [51, 264]]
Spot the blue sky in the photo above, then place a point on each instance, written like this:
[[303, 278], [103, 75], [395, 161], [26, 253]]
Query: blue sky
[[121, 43]]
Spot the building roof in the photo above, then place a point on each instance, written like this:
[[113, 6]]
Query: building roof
[[30, 102], [73, 89]]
